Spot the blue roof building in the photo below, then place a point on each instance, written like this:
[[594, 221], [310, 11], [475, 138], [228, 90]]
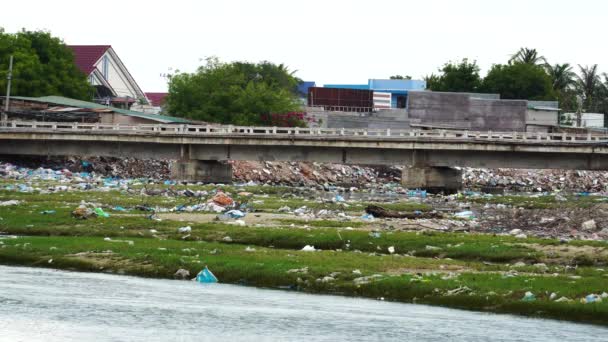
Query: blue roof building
[[398, 88]]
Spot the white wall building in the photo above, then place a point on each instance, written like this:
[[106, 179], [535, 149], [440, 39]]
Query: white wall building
[[113, 82]]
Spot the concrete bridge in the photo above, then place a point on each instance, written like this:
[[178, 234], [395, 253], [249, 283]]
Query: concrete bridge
[[199, 148]]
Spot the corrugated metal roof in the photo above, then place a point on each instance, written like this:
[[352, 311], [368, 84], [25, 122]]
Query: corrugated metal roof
[[65, 101]]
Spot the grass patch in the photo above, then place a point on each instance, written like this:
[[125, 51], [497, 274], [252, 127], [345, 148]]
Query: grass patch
[[399, 278]]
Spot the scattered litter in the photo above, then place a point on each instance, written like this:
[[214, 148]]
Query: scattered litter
[[529, 297], [592, 298], [465, 215], [205, 276], [182, 274], [100, 213], [308, 248], [589, 225], [235, 214], [368, 217], [459, 291], [303, 270], [9, 203], [184, 230], [222, 199]]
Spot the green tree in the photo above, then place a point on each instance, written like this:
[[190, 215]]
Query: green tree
[[42, 66], [589, 86], [432, 81], [519, 81], [233, 93], [528, 56], [562, 76], [563, 80], [457, 77]]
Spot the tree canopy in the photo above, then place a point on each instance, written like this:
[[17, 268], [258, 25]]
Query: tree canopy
[[519, 81], [42, 66], [458, 77], [528, 56], [233, 93]]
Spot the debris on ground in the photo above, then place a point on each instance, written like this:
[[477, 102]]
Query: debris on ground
[[378, 211], [182, 274], [205, 276]]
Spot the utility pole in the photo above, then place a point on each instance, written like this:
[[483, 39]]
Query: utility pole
[[8, 90]]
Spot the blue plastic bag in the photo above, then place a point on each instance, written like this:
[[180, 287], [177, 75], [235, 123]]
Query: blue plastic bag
[[205, 276]]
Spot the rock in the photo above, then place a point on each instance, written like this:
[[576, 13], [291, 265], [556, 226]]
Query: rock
[[227, 239], [563, 299], [542, 267], [249, 249], [589, 225], [182, 274], [515, 232], [357, 272], [521, 236], [519, 264], [391, 249], [553, 296], [432, 248]]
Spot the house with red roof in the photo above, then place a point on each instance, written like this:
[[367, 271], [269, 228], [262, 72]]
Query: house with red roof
[[114, 84]]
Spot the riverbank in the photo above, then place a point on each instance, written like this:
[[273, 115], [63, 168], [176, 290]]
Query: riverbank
[[389, 259], [142, 309]]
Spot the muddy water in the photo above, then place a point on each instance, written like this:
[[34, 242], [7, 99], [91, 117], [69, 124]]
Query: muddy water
[[48, 305]]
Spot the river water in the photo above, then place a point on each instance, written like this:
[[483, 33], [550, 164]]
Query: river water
[[49, 305]]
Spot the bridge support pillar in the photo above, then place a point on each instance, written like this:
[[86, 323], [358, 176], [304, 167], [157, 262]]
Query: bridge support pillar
[[208, 171], [432, 179]]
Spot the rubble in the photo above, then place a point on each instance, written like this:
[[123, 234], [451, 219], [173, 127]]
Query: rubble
[[536, 180]]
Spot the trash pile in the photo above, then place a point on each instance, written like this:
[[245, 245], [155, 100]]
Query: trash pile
[[305, 174], [103, 166], [309, 173], [536, 180]]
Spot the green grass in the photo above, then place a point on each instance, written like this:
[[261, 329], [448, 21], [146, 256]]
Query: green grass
[[267, 267], [540, 202], [417, 272]]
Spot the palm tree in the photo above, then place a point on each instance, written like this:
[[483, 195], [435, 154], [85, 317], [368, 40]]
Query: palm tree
[[562, 76], [588, 83], [528, 56]]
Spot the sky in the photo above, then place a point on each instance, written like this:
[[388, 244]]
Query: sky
[[326, 41]]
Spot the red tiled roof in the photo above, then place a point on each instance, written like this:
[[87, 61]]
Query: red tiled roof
[[156, 99], [85, 56]]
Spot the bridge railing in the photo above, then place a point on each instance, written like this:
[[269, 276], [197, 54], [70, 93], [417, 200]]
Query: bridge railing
[[205, 130]]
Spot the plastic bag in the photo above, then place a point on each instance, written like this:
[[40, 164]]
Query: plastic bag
[[205, 276]]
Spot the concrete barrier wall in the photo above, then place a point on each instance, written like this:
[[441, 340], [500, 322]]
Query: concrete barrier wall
[[460, 111]]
